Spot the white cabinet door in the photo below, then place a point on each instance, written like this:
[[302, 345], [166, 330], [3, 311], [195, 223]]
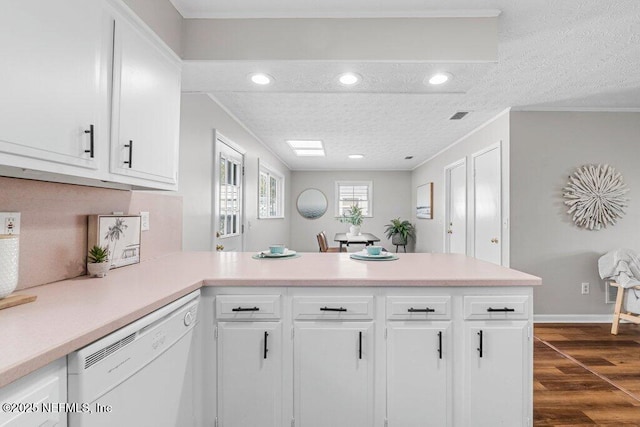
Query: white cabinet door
[[250, 374], [498, 374], [53, 85], [419, 382], [36, 399], [333, 374], [146, 107]]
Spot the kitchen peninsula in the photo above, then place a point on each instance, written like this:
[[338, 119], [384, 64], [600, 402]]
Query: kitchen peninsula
[[473, 320]]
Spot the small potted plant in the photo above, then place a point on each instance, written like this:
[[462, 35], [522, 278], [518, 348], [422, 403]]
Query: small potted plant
[[98, 261], [400, 231], [353, 217]]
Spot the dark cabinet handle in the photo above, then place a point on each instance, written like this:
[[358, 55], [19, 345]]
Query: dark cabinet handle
[[130, 161], [440, 345], [246, 309], [494, 310], [480, 348], [360, 345], [421, 310], [332, 309], [266, 334], [90, 132]]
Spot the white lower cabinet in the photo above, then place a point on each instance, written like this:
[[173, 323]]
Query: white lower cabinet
[[333, 374], [419, 380], [498, 365], [372, 357], [37, 399], [250, 374]]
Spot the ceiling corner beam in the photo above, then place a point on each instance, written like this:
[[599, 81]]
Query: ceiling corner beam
[[457, 39]]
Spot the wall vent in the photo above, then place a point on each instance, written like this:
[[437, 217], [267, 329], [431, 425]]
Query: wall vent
[[97, 356], [459, 115]]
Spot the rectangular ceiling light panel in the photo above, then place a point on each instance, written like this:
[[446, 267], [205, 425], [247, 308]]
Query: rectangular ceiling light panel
[[309, 153], [296, 144]]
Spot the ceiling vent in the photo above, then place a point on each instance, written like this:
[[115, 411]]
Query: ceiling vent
[[459, 115]]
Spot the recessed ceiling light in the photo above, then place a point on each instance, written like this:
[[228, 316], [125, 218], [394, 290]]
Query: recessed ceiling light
[[356, 156], [309, 153], [297, 143], [261, 79], [349, 79], [439, 78]]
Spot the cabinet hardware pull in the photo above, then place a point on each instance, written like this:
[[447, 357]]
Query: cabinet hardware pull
[[480, 348], [360, 345], [332, 309], [493, 310], [421, 310], [130, 161], [439, 344], [90, 132], [246, 309], [266, 334]]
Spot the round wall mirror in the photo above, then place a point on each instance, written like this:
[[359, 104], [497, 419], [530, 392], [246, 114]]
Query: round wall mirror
[[312, 203]]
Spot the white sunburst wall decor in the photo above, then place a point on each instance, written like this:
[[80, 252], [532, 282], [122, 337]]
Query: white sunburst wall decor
[[595, 196]]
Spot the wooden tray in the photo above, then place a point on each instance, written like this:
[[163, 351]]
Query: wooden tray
[[13, 300]]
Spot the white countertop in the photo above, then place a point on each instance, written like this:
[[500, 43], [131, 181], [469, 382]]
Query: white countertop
[[73, 313]]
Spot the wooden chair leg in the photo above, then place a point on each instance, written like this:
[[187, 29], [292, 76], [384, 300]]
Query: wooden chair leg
[[617, 309]]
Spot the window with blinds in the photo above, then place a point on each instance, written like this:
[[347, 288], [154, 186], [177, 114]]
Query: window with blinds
[[358, 193], [270, 193]]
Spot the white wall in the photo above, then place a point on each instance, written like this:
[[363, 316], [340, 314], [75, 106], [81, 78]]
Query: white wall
[[200, 115], [430, 232], [547, 147], [391, 199]]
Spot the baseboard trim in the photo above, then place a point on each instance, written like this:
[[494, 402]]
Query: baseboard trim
[[572, 318]]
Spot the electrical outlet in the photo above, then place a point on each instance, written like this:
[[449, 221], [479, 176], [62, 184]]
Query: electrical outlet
[[10, 222], [144, 221], [585, 288]]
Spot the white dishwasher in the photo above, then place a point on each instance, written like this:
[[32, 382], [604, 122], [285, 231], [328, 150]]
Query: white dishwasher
[[140, 375]]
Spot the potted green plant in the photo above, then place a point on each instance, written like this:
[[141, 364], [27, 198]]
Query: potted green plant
[[353, 217], [98, 261], [400, 231]]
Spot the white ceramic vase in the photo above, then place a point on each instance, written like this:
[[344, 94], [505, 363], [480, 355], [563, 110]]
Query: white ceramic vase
[[98, 269], [354, 230], [9, 251]]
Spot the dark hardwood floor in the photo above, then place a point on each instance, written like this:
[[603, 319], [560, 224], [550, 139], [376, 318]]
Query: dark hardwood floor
[[584, 376]]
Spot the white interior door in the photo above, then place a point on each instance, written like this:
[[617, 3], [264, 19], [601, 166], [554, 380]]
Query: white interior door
[[228, 203], [487, 169], [456, 208]]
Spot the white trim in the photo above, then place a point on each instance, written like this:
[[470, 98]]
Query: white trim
[[249, 131], [459, 140], [446, 13], [447, 202], [572, 318], [579, 109]]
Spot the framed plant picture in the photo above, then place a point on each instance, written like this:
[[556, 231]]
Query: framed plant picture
[[424, 201], [120, 234]]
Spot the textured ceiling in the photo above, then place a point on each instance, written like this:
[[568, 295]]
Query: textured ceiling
[[573, 54]]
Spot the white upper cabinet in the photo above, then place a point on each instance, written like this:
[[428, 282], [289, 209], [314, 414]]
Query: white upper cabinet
[[88, 95], [54, 85], [146, 107]]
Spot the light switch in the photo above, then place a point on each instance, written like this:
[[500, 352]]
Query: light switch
[[144, 221]]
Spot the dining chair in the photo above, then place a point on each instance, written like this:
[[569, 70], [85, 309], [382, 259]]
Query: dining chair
[[324, 246]]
